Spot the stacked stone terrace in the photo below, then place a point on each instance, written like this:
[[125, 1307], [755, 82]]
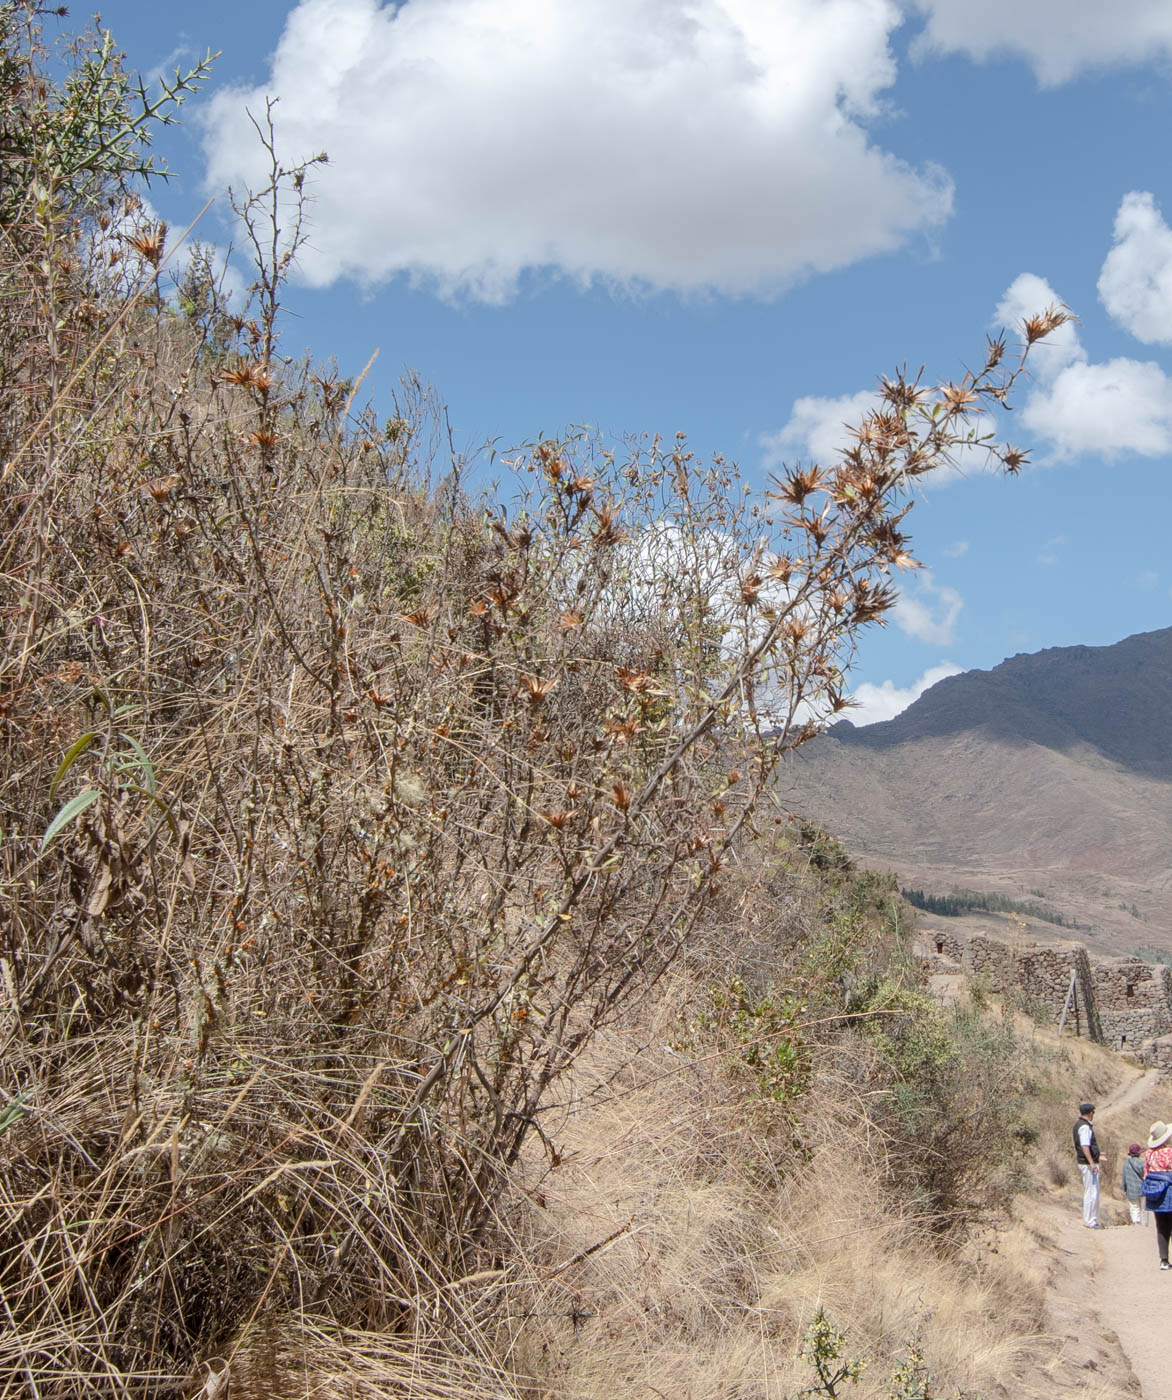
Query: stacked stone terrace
[[1118, 1001]]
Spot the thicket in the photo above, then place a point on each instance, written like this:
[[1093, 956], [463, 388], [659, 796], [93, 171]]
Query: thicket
[[769, 1137], [826, 974], [825, 1351], [962, 901], [341, 809]]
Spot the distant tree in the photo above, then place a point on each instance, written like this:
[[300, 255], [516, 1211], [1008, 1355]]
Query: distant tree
[[962, 901]]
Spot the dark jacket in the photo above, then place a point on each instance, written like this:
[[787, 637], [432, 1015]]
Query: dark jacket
[[1094, 1146]]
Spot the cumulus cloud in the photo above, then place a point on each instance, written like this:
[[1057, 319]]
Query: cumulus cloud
[[1135, 284], [928, 610], [1058, 38], [1117, 407], [1075, 406], [657, 144], [884, 701], [818, 428]]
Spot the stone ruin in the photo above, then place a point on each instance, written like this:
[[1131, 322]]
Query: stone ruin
[[1120, 1002]]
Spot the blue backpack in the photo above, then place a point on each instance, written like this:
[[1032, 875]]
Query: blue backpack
[[1158, 1191]]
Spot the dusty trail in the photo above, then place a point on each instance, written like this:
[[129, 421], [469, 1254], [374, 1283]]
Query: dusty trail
[[1135, 1300], [1128, 1097], [1132, 1297]]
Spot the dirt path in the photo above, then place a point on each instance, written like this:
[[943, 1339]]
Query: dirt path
[[1114, 1272], [1134, 1299], [1128, 1097]]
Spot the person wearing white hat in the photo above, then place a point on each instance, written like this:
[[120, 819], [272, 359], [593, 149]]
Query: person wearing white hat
[[1158, 1185]]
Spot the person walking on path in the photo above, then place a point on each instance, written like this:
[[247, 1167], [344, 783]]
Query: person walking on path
[[1133, 1182], [1158, 1185], [1088, 1156]]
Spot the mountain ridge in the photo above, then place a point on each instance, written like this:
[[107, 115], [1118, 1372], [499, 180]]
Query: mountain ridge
[[1049, 771], [1008, 701]]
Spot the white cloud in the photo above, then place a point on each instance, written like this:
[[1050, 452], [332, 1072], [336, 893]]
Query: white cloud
[[659, 144], [1059, 38], [879, 702], [819, 428], [928, 610], [1076, 406], [1120, 406], [957, 550], [1048, 554], [1026, 296], [1135, 284]]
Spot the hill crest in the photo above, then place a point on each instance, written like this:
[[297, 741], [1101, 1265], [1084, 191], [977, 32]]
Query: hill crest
[[1115, 698], [1049, 775]]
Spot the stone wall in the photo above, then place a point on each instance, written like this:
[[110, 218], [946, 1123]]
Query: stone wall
[[948, 944], [993, 960], [1118, 1001], [1157, 1054], [1134, 1000]]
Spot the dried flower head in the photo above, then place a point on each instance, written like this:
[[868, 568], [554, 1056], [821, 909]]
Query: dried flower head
[[252, 374], [148, 243], [160, 487]]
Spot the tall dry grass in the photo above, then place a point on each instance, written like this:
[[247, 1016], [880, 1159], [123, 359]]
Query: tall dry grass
[[342, 811], [681, 1244]]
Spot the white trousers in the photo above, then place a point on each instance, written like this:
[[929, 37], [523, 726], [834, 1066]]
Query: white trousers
[[1090, 1195], [1137, 1210]]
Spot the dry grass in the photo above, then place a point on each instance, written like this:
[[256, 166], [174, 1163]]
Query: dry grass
[[1082, 1070], [714, 1243], [342, 812]]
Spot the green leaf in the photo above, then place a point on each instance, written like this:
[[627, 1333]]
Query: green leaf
[[163, 807], [70, 812], [143, 761], [15, 1109], [72, 754]]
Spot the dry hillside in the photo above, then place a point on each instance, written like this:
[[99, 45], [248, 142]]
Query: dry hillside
[[358, 831], [1051, 773]]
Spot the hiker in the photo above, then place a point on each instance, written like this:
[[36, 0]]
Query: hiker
[[1133, 1182], [1158, 1185], [1088, 1157]]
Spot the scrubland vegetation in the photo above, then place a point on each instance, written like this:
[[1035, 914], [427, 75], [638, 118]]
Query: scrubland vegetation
[[406, 985]]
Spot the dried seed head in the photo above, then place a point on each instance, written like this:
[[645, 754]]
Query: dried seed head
[[1045, 323], [148, 243]]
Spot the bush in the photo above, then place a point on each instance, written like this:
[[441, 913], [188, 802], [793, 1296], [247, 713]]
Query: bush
[[957, 1083], [341, 810]]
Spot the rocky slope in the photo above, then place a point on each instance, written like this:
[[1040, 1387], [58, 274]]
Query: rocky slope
[[1051, 773]]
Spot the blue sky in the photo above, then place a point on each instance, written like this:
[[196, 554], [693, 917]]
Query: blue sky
[[725, 216]]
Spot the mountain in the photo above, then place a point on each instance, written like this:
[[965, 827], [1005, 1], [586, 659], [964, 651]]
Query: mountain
[[1050, 773]]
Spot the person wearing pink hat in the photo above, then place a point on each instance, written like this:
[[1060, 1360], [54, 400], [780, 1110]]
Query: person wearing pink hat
[[1158, 1185], [1133, 1182]]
